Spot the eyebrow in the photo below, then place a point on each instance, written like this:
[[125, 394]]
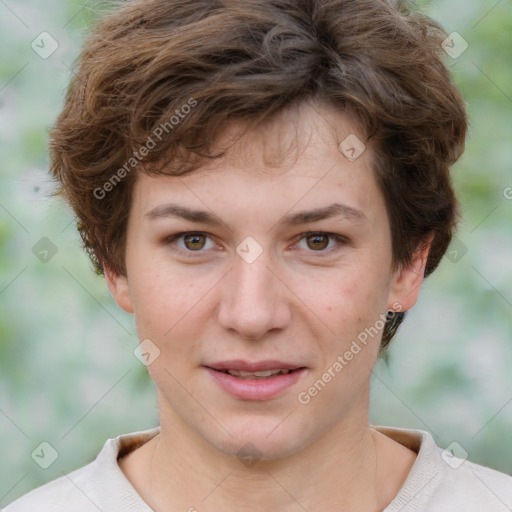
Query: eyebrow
[[293, 219]]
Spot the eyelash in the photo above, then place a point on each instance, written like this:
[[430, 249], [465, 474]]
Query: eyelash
[[190, 254]]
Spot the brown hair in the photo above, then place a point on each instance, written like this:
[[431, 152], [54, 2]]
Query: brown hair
[[158, 81]]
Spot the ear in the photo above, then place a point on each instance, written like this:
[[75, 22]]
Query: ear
[[119, 289], [407, 281]]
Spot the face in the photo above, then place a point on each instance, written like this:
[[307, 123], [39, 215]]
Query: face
[[255, 283]]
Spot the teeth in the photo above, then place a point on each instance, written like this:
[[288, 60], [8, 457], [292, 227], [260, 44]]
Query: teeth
[[261, 375]]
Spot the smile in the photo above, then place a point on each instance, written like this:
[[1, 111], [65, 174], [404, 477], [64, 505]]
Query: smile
[[256, 385], [256, 375]]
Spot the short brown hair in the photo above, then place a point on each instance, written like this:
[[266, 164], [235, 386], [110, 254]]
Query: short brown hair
[[247, 61]]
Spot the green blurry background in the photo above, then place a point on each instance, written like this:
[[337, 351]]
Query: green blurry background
[[68, 373]]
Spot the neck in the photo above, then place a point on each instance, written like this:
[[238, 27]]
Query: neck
[[337, 471]]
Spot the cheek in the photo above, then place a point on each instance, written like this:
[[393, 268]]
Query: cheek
[[349, 298], [159, 301], [355, 301], [168, 310]]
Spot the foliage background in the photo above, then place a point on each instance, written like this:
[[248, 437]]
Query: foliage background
[[68, 373]]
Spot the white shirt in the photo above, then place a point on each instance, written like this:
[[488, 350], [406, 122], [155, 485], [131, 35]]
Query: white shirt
[[437, 482]]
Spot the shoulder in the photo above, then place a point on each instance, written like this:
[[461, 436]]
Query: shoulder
[[100, 485], [441, 481], [470, 487], [63, 494]]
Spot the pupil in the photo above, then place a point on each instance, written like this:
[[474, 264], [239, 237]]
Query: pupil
[[316, 237], [194, 241]]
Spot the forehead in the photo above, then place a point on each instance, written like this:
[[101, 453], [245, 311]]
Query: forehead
[[293, 162], [310, 130]]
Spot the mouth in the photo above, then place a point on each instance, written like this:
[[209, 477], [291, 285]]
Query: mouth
[[265, 374], [255, 381], [255, 370]]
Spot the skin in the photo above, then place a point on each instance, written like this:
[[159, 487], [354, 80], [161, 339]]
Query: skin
[[302, 300]]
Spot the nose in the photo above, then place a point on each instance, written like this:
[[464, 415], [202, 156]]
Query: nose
[[254, 299]]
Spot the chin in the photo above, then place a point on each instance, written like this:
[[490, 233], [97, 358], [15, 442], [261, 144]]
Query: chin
[[259, 440]]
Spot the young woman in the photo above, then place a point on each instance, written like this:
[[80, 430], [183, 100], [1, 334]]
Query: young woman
[[264, 185]]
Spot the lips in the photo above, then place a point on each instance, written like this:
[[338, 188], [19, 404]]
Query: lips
[[240, 365], [264, 374], [261, 380]]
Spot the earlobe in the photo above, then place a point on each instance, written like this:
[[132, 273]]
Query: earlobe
[[119, 289], [407, 281]]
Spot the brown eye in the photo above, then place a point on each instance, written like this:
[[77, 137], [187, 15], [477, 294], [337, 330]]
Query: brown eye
[[194, 241], [190, 243], [320, 243], [317, 241]]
